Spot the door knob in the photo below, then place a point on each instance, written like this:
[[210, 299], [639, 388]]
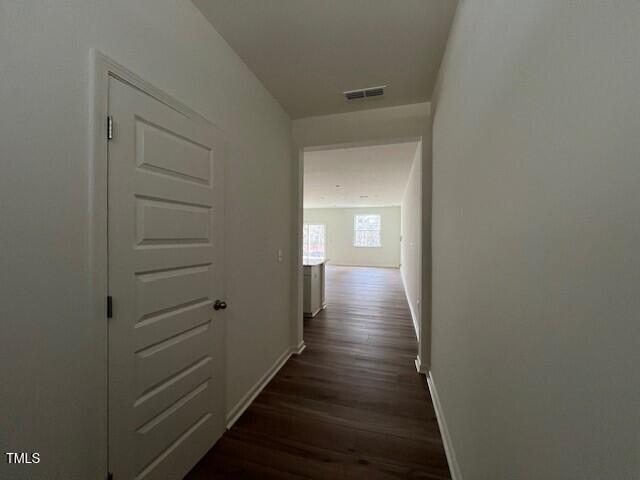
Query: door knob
[[219, 305]]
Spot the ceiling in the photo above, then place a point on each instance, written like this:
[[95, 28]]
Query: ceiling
[[373, 176], [307, 52]]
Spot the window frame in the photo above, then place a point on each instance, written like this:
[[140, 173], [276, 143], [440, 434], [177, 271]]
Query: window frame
[[356, 230], [305, 247]]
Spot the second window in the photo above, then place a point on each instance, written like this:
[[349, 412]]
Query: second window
[[366, 231]]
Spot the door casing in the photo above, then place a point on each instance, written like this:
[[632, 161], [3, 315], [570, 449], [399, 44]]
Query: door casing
[[103, 68]]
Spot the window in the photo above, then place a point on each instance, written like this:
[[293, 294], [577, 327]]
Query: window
[[313, 243], [366, 231]]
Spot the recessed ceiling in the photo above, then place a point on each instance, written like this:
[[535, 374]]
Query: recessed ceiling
[[307, 52], [373, 176]]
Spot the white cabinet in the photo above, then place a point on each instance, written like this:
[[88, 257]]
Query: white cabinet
[[314, 276]]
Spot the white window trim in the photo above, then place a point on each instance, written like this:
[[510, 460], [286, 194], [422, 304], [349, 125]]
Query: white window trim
[[324, 225], [355, 231]]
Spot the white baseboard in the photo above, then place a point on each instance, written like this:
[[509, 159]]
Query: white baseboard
[[414, 317], [361, 265], [444, 430], [251, 395], [419, 367], [298, 349]]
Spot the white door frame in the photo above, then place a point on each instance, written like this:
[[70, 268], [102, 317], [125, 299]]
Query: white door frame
[[297, 328], [103, 68]]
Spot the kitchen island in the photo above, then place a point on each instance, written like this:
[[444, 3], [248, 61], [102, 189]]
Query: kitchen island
[[314, 280]]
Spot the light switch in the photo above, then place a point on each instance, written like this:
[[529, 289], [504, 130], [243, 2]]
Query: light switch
[[280, 255]]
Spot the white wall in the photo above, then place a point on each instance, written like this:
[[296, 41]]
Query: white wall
[[536, 240], [339, 236], [362, 127], [425, 343], [52, 350], [411, 245]]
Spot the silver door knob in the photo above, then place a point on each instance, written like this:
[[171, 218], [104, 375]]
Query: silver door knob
[[219, 305]]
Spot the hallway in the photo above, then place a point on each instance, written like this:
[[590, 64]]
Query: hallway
[[351, 406]]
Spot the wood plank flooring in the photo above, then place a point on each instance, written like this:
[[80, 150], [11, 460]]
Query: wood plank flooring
[[352, 406]]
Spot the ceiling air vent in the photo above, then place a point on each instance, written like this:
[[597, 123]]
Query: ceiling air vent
[[354, 94], [364, 93], [374, 92]]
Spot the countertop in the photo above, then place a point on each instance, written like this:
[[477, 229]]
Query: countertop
[[313, 263]]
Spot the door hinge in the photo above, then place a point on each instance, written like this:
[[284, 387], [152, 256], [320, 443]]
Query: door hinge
[[109, 476], [109, 306], [109, 127]]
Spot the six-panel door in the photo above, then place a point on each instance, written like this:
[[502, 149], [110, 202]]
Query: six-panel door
[[165, 270]]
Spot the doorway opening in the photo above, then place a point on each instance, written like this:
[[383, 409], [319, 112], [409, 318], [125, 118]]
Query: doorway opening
[[360, 221]]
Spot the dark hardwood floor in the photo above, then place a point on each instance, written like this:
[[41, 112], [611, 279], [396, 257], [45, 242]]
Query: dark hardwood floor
[[352, 406]]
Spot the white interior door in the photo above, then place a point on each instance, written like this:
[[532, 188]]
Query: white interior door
[[166, 373]]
